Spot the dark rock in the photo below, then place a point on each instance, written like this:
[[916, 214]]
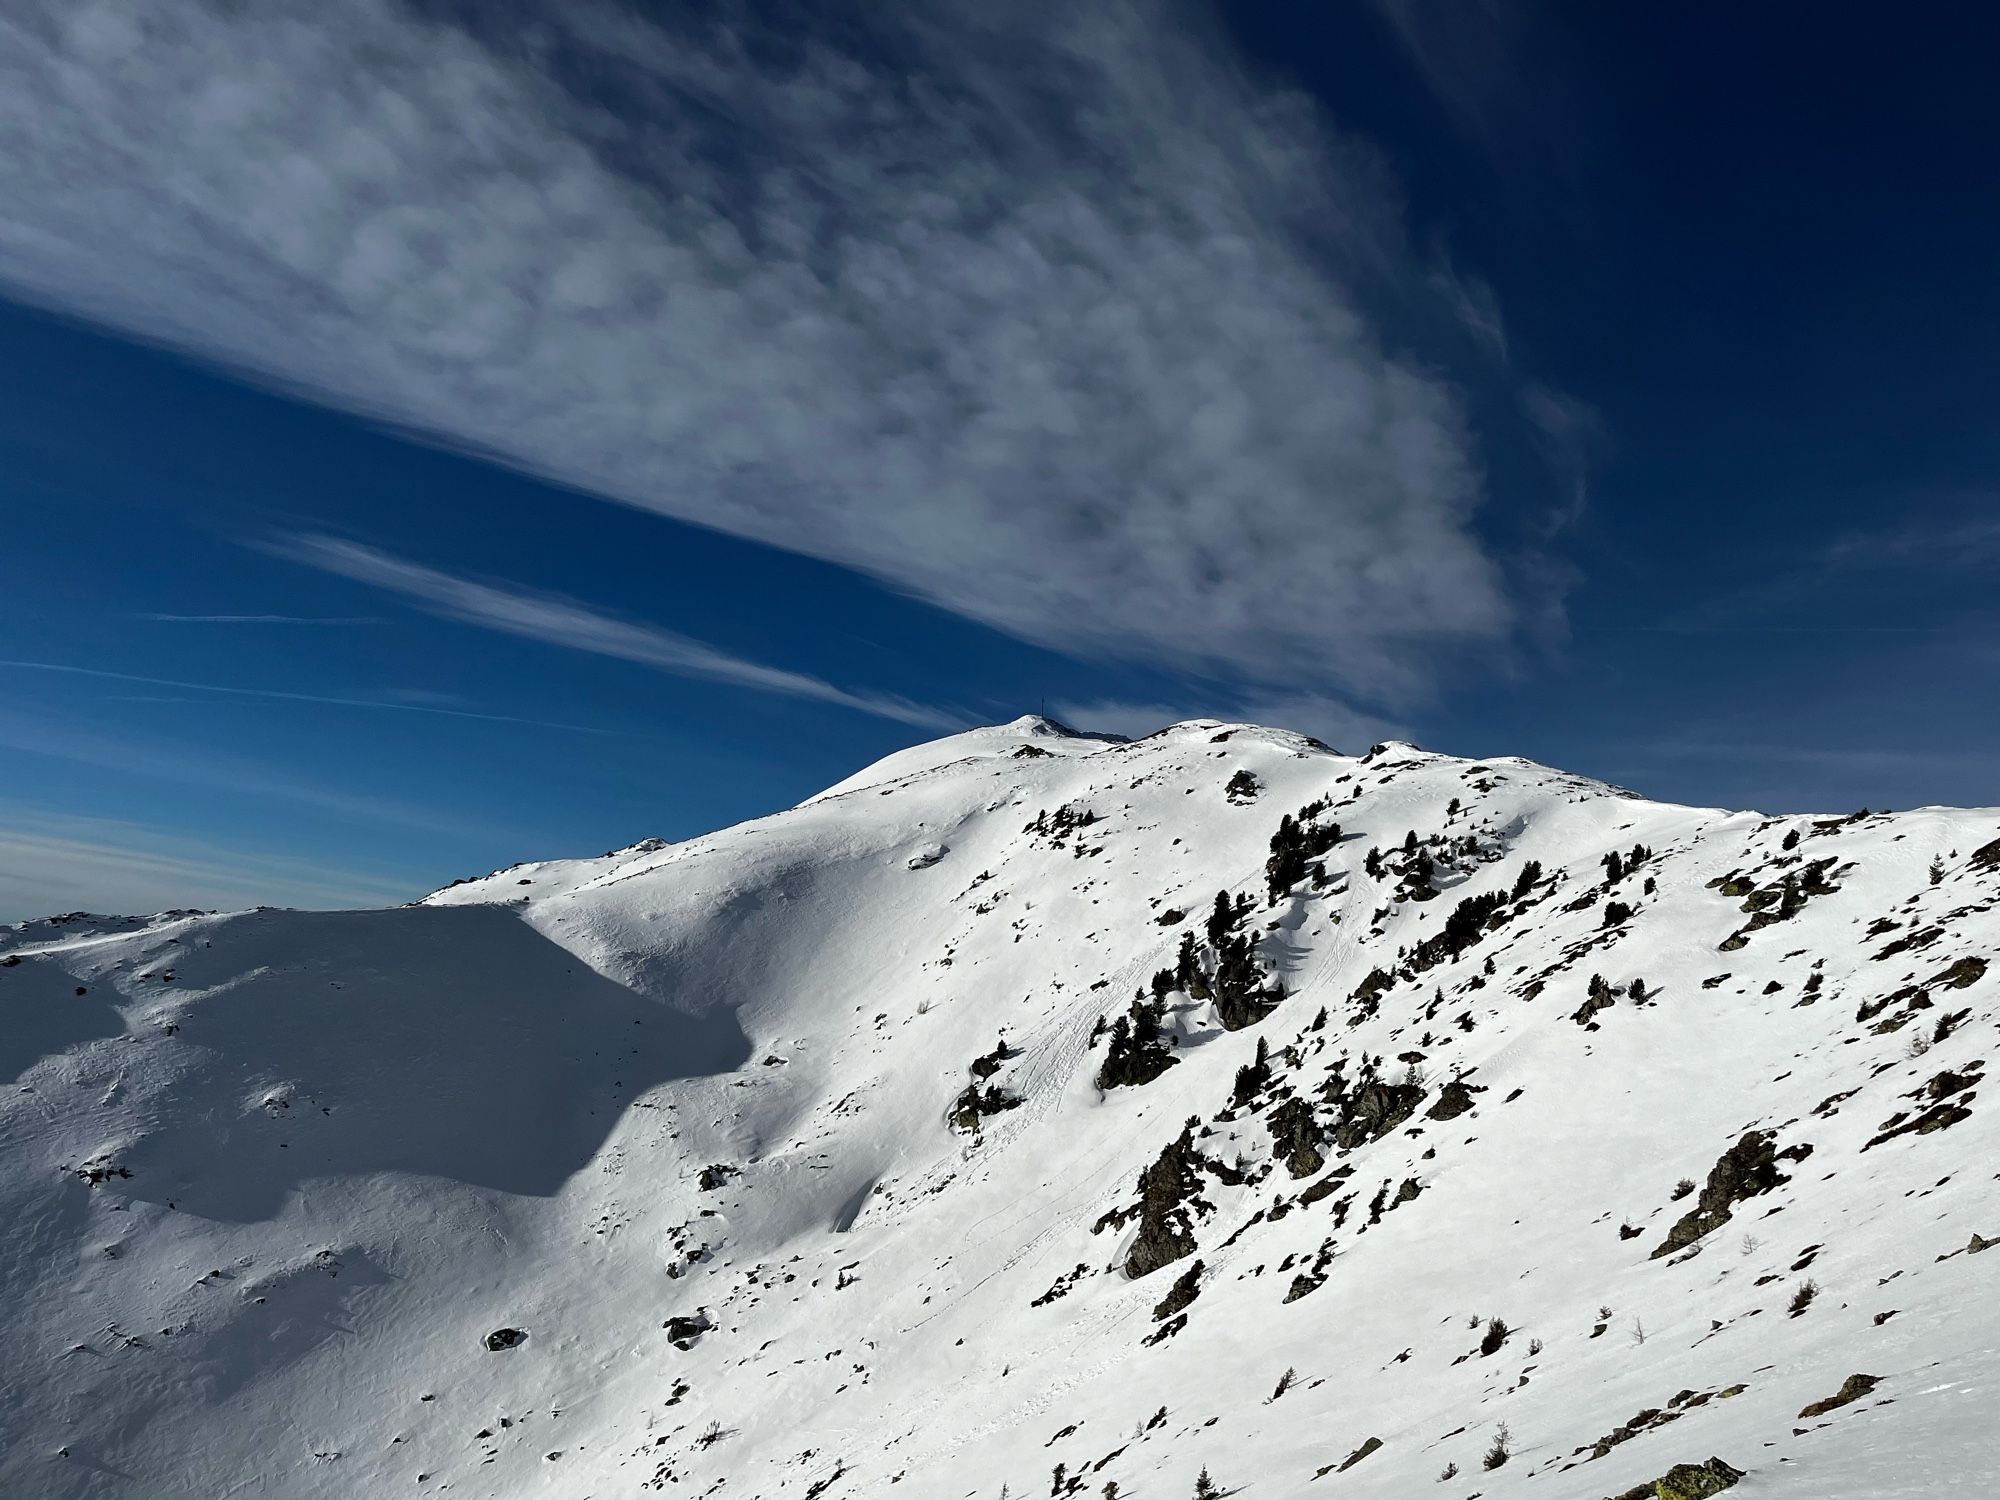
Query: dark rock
[[976, 1103], [1944, 1085], [1180, 1294], [1370, 991], [1236, 1010], [1961, 974], [1651, 1417], [1358, 1454], [1166, 1330], [1454, 1099], [1297, 1137], [1326, 1187], [1746, 1170], [505, 1338], [1937, 1117], [1165, 1188], [1600, 997], [1687, 1482], [683, 1331], [1373, 1111], [1852, 1389]]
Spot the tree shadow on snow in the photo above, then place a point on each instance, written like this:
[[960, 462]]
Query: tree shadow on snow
[[455, 1042]]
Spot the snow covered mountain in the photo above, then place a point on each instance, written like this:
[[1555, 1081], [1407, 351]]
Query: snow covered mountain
[[1494, 1132]]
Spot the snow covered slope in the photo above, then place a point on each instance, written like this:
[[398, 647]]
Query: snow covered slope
[[1495, 1114]]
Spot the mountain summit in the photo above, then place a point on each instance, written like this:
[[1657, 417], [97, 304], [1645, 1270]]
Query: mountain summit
[[1036, 1113]]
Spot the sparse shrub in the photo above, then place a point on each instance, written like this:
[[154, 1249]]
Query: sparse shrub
[[1534, 1347], [1802, 1298], [1683, 1188], [1750, 1244], [1285, 1382], [1448, 1473], [1919, 1045], [1502, 1449], [1638, 1333], [1496, 1335]]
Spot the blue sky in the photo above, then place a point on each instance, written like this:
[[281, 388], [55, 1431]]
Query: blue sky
[[434, 435]]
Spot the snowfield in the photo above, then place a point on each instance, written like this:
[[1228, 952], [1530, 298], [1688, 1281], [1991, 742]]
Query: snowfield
[[1497, 1117]]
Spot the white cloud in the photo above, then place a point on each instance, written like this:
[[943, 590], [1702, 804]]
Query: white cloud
[[563, 622], [1042, 313]]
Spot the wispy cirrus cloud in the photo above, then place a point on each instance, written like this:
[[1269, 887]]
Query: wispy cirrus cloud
[[1952, 541], [1044, 313], [564, 622], [169, 619], [52, 862], [396, 703], [1466, 56], [154, 757]]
